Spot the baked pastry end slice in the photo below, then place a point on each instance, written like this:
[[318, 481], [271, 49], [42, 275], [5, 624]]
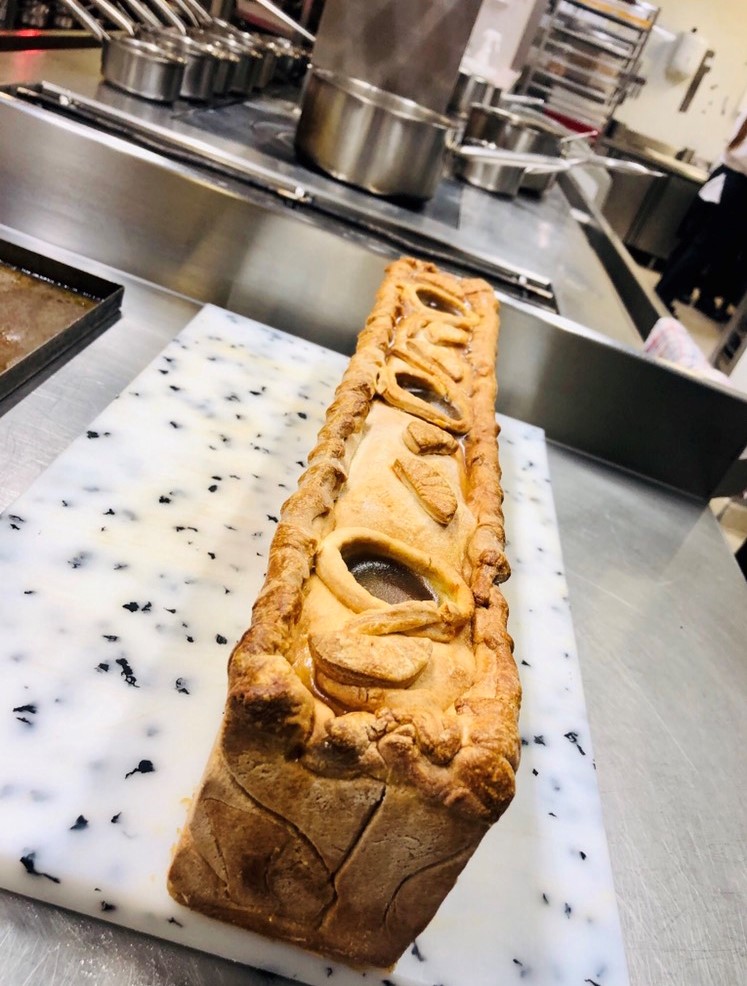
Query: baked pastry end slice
[[370, 734]]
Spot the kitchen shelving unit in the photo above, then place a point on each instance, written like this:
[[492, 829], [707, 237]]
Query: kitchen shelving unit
[[585, 58]]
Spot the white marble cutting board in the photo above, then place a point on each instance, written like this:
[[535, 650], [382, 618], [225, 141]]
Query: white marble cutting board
[[129, 569]]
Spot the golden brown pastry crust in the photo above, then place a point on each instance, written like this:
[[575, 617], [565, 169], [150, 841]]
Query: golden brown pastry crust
[[368, 743]]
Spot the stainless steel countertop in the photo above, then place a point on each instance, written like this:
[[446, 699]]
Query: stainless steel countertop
[[660, 612], [539, 235]]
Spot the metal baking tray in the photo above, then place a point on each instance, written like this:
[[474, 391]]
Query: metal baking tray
[[49, 311]]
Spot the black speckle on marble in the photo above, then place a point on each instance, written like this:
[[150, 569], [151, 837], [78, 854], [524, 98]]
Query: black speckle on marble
[[175, 424], [416, 952], [212, 488], [582, 854], [29, 864], [29, 592], [127, 673], [80, 823], [181, 686], [526, 664], [567, 910], [79, 560], [30, 709], [535, 771], [106, 906], [302, 414], [573, 738], [120, 565], [540, 741], [328, 970], [133, 607], [524, 742], [143, 767], [545, 899], [177, 923], [220, 639], [190, 640], [272, 518], [552, 814], [164, 499], [115, 818], [592, 982], [102, 666], [211, 555], [111, 637]]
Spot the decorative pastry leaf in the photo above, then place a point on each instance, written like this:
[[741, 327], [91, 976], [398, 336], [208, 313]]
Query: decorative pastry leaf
[[431, 488]]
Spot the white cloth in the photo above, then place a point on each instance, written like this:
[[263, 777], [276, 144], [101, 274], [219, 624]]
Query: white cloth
[[713, 189], [670, 342]]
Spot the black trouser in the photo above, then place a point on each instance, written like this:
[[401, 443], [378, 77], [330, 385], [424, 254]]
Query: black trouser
[[714, 235]]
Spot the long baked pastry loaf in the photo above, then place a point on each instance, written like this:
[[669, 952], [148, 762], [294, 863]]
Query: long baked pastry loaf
[[370, 731]]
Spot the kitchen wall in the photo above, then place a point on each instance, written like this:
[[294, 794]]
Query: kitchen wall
[[707, 125]]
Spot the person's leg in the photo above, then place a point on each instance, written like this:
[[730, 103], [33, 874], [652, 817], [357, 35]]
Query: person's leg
[[681, 274], [717, 241], [680, 271]]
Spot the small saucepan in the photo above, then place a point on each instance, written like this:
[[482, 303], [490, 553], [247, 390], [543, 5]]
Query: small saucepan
[[371, 138], [273, 52], [136, 66], [208, 69], [202, 27], [513, 129], [234, 69]]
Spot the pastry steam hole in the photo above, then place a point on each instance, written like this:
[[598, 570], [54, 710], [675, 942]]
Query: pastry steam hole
[[430, 299], [420, 389], [388, 579]]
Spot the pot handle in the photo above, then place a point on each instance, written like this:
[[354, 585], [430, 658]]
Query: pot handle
[[116, 16], [167, 13], [196, 16], [86, 20], [144, 14], [281, 15], [540, 164], [623, 165]]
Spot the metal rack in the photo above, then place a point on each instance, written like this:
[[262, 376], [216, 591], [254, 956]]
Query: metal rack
[[585, 58]]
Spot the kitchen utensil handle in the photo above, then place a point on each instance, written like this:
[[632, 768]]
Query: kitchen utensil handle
[[144, 14], [190, 16], [515, 159], [196, 11], [168, 15], [288, 21], [86, 20], [520, 100], [624, 166], [116, 16]]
